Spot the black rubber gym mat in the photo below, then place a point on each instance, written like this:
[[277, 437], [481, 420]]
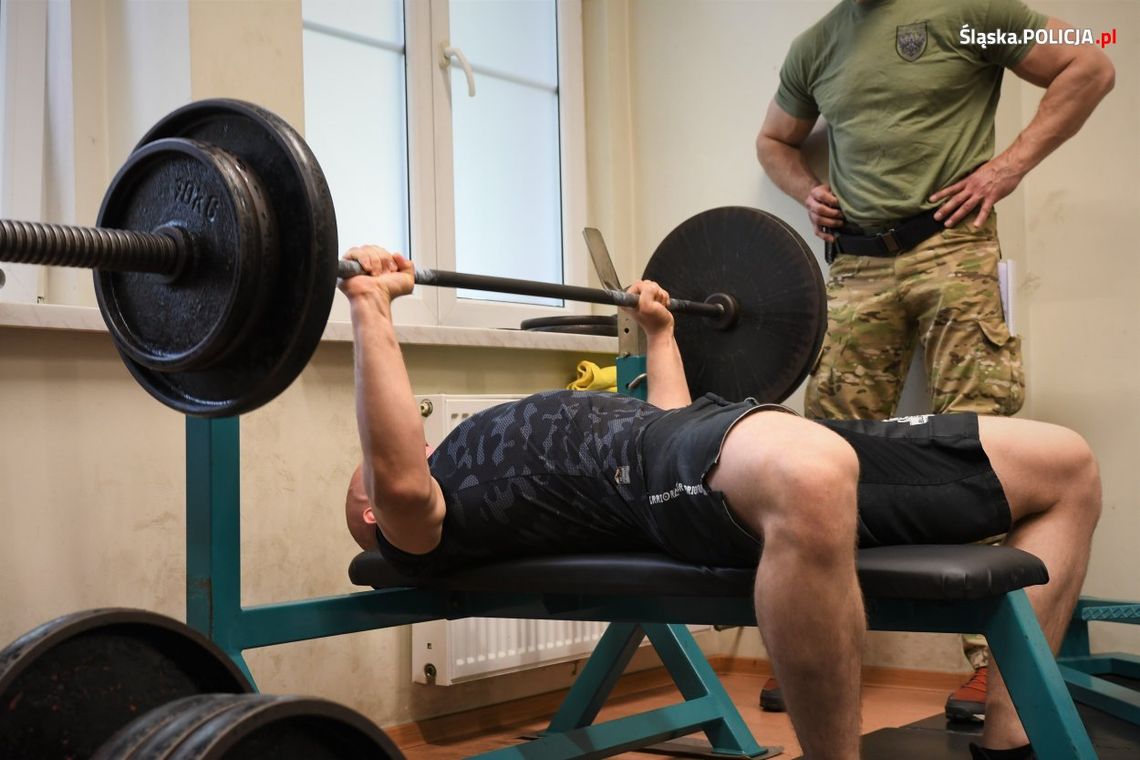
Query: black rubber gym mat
[[935, 738]]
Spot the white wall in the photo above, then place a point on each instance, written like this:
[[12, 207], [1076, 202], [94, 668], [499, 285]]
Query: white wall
[[1081, 283]]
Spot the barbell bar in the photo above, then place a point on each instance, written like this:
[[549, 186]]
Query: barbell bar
[[170, 254], [718, 306], [215, 264]]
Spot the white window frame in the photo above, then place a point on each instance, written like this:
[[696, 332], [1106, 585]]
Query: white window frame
[[572, 157], [431, 198], [422, 306]]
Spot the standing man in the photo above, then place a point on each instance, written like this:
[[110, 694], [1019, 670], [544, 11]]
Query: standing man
[[909, 90]]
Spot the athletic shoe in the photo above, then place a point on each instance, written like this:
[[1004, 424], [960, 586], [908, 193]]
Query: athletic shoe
[[968, 702]]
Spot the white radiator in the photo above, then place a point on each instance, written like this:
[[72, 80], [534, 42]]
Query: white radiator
[[453, 651]]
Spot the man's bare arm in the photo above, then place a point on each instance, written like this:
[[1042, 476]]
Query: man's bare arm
[[668, 388], [779, 149], [406, 500], [1076, 79]]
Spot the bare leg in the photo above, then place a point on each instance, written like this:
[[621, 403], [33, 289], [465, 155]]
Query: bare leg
[[793, 482], [1053, 486]]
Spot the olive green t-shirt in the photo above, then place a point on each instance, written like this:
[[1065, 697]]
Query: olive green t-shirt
[[908, 92]]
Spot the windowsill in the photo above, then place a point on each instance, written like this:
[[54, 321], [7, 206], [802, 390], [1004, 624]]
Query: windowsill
[[88, 319]]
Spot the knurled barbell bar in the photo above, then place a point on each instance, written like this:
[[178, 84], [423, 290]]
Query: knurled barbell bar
[[171, 252], [720, 307], [215, 261]]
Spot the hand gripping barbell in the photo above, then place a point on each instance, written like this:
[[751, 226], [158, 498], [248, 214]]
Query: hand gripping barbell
[[215, 261]]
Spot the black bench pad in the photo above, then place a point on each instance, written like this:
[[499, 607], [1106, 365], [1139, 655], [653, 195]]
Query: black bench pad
[[901, 572]]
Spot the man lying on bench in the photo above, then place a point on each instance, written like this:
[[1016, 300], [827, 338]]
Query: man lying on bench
[[711, 482]]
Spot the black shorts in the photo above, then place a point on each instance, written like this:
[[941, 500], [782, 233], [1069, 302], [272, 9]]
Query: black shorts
[[922, 480]]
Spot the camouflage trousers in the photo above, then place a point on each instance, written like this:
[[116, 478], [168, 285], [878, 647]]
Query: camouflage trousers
[[942, 295]]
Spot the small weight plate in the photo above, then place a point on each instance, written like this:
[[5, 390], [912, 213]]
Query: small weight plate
[[581, 324], [535, 323], [770, 271], [298, 277], [607, 331], [197, 193], [68, 685]]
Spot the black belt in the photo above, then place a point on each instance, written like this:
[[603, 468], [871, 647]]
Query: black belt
[[899, 239]]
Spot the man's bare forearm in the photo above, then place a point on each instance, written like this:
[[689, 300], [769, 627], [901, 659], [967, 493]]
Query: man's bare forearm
[[786, 166], [668, 388], [391, 431], [1068, 102]]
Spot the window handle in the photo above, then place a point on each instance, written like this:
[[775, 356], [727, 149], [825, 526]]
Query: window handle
[[448, 53]]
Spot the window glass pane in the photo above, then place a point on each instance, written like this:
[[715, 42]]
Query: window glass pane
[[508, 218], [516, 37], [356, 124], [382, 20], [506, 156]]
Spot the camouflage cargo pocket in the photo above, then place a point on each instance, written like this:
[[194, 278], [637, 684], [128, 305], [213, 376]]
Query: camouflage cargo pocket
[[1003, 375]]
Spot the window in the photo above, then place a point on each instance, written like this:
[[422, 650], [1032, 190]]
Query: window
[[23, 46], [490, 184]]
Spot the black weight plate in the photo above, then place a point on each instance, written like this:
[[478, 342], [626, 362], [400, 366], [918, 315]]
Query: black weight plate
[[68, 685], [199, 193], [607, 331], [769, 269], [253, 726], [153, 733], [605, 325], [301, 278], [536, 323]]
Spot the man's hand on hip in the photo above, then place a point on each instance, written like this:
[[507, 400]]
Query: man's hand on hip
[[823, 210], [987, 185]]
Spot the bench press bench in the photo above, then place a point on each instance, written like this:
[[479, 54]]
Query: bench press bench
[[949, 589], [958, 589]]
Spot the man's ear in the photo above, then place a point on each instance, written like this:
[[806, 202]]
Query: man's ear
[[369, 516]]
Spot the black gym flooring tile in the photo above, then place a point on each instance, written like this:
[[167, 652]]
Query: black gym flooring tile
[[935, 738]]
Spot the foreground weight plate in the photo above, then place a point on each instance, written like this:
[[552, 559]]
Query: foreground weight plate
[[298, 279], [760, 261], [201, 194], [155, 732], [218, 727], [68, 685]]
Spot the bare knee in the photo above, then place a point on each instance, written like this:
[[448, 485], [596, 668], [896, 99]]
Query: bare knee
[[1043, 468], [1080, 476]]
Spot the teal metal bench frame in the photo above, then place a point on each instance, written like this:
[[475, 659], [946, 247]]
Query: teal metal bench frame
[[213, 606], [1083, 670]]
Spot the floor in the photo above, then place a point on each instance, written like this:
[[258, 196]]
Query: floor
[[882, 707], [898, 722]]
